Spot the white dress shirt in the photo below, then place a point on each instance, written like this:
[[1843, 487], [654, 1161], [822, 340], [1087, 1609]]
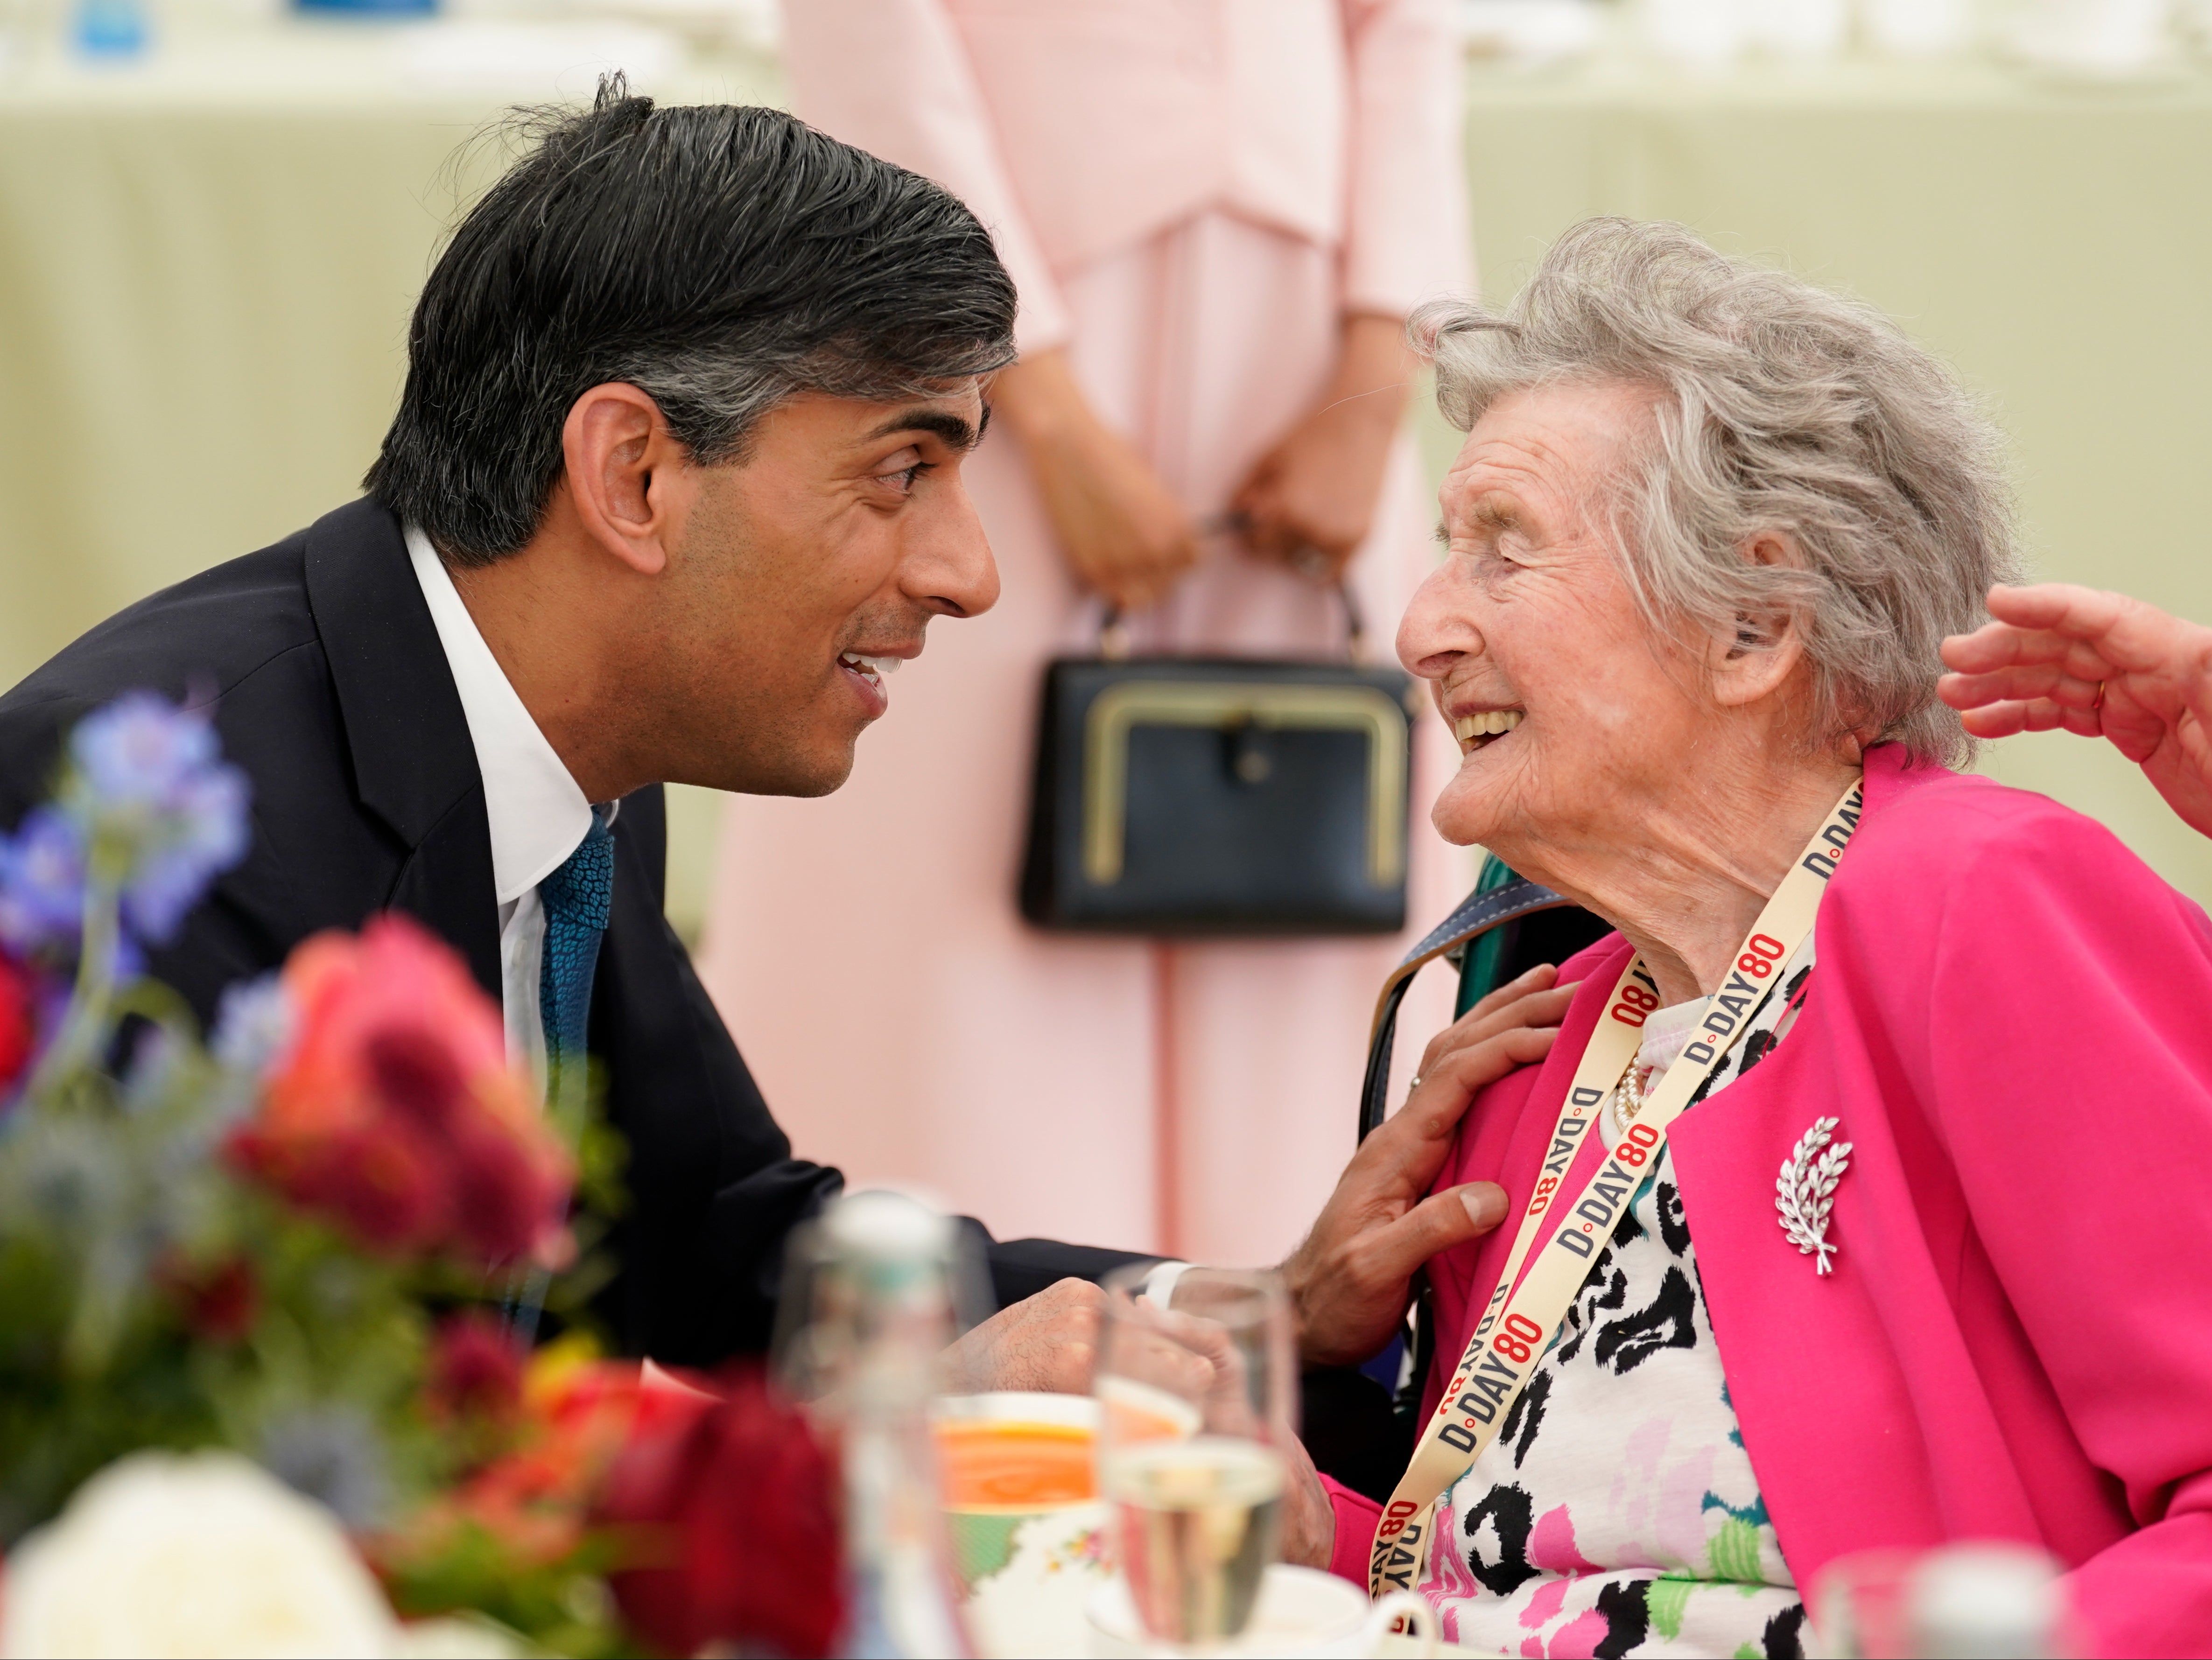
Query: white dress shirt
[[537, 814]]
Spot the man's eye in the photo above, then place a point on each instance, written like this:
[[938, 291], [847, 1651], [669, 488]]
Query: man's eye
[[902, 480]]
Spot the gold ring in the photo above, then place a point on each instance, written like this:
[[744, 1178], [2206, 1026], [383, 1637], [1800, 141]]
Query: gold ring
[[2099, 703]]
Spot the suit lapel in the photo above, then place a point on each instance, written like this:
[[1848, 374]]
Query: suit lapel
[[414, 765]]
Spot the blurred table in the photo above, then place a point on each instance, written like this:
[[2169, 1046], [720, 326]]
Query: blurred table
[[2053, 240], [207, 262]]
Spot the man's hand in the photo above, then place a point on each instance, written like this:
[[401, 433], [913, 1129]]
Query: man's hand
[[1310, 500], [1045, 1343], [1350, 1279], [2041, 664], [1123, 535]]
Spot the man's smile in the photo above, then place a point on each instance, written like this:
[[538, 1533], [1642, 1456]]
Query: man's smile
[[868, 670]]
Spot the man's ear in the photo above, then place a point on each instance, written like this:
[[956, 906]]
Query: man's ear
[[1766, 647], [628, 480]]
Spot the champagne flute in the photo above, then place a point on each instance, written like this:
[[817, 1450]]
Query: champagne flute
[[1196, 1402]]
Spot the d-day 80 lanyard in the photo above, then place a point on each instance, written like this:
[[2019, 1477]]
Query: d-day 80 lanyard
[[1523, 1315]]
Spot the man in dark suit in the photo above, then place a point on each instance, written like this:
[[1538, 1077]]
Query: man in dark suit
[[676, 468], [676, 472]]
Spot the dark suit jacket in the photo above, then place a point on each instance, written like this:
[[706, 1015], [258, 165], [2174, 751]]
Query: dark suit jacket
[[335, 698]]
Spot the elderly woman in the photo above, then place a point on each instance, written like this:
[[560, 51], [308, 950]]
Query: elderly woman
[[1707, 532]]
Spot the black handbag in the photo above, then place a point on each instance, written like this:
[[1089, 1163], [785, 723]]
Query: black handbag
[[1219, 795]]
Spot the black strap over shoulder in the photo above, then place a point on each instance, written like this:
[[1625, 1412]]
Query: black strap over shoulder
[[1477, 914]]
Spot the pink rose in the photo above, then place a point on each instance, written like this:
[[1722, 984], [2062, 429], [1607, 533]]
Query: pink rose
[[395, 1113]]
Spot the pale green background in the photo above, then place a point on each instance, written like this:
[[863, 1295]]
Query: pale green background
[[203, 295]]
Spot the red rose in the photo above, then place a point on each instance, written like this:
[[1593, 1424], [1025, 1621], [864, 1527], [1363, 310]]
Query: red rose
[[731, 1510], [220, 1304], [416, 1074], [395, 1112], [500, 1206], [475, 1369], [18, 1026], [384, 1181]]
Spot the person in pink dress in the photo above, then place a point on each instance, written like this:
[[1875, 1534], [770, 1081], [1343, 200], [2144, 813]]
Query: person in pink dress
[[1218, 214], [1863, 1170]]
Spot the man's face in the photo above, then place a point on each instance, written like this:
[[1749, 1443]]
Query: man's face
[[826, 549]]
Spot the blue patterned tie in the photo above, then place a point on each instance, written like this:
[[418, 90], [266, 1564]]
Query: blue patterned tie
[[577, 897]]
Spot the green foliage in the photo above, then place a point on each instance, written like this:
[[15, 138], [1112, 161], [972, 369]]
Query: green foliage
[[562, 1607]]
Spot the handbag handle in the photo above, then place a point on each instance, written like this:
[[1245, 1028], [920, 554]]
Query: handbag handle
[[1114, 633], [1478, 913]]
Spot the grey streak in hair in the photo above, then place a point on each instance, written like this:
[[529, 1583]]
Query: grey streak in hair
[[721, 257], [1787, 408]]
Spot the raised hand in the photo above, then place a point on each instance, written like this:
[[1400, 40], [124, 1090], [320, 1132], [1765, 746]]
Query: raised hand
[[1350, 1279], [2098, 665]]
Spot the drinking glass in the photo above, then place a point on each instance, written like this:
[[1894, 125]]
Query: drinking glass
[[1196, 1400]]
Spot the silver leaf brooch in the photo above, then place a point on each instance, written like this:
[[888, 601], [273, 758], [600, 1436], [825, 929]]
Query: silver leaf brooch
[[1807, 1189]]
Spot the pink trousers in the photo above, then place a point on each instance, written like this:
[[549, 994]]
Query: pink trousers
[[902, 1020]]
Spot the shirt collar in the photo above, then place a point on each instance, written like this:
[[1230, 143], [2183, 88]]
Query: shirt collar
[[537, 814]]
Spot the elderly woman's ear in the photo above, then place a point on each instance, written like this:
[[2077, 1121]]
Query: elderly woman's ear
[[1767, 649]]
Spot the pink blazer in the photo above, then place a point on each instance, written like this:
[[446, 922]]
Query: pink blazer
[[2012, 1016], [1079, 128]]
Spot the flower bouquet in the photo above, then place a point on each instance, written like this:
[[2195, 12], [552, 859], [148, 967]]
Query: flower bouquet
[[268, 1300]]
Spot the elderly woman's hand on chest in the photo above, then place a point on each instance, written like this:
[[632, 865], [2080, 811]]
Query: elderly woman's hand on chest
[[1350, 1279]]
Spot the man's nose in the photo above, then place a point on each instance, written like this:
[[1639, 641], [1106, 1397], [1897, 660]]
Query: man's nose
[[949, 565]]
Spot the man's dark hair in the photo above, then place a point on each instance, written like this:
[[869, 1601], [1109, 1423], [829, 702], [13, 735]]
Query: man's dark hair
[[718, 257]]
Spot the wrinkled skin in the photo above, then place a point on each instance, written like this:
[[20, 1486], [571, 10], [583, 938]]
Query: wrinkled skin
[[1660, 776], [1048, 1342]]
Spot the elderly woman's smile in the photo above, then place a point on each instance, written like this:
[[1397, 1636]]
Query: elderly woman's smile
[[1474, 730]]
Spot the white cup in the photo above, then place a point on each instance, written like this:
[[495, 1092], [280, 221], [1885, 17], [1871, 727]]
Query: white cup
[[1301, 1615], [1695, 34], [1804, 29], [1918, 28], [2095, 37]]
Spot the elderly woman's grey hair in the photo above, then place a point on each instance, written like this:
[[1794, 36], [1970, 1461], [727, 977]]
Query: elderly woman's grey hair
[[1788, 410]]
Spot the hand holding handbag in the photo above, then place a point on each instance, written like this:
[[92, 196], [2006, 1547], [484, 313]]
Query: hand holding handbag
[[1196, 796]]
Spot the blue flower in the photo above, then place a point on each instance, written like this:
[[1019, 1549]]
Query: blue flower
[[42, 881], [254, 1027], [147, 779], [252, 1024], [333, 1454], [142, 751], [202, 832]]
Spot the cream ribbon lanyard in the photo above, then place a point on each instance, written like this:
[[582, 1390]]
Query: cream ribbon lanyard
[[1515, 1330]]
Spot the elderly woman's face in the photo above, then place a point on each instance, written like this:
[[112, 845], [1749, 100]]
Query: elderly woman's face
[[1567, 711]]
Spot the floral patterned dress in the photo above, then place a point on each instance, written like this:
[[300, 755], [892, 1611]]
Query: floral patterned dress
[[1616, 1513]]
